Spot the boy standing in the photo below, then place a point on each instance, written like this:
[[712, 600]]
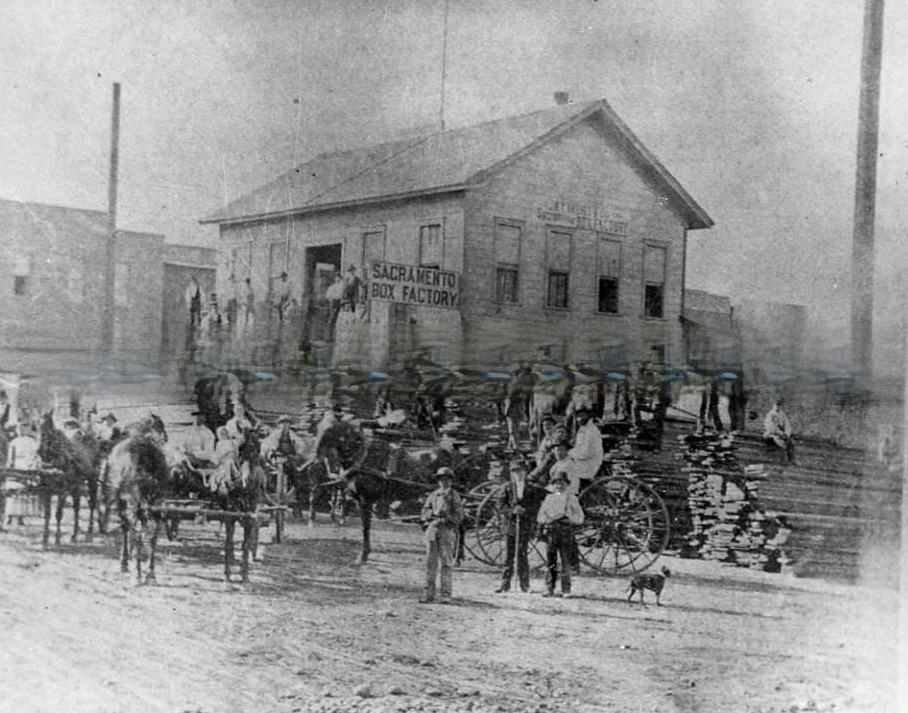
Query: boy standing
[[559, 514], [442, 513]]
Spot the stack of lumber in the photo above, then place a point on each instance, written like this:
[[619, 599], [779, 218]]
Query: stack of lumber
[[728, 522]]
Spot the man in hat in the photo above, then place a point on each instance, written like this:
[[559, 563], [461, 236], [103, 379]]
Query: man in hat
[[559, 514], [352, 285], [441, 515], [107, 429], [335, 296], [520, 499], [199, 442], [286, 449], [587, 452]]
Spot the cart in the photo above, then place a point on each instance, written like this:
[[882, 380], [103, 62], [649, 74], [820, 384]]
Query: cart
[[625, 530]]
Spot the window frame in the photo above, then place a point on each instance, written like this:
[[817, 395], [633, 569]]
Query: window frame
[[600, 238], [521, 226], [425, 223], [660, 245], [550, 229], [371, 230]]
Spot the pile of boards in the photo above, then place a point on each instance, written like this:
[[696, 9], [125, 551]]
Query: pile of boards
[[728, 522]]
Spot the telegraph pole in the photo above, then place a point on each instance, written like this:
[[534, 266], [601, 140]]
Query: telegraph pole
[[865, 194], [108, 314], [444, 66]]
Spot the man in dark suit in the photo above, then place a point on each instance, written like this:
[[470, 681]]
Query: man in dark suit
[[520, 500]]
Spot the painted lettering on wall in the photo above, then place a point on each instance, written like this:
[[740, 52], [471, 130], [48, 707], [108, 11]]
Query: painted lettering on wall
[[583, 217], [409, 284]]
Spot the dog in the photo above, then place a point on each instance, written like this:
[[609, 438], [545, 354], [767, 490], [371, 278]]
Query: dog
[[653, 582]]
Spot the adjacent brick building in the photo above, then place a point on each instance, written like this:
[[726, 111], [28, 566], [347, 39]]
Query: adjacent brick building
[[566, 233], [52, 279]]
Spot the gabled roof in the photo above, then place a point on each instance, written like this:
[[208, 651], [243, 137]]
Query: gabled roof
[[439, 163]]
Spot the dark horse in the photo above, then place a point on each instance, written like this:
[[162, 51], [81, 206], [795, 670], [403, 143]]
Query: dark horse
[[374, 474], [139, 479], [69, 465]]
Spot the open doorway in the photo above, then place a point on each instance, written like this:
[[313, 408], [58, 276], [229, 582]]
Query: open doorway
[[323, 263]]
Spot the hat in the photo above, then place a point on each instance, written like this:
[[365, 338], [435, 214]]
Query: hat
[[560, 477], [352, 268], [109, 417], [285, 419], [191, 413], [444, 473], [72, 423]]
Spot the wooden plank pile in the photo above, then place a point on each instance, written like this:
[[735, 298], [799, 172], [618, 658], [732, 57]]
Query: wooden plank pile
[[728, 523]]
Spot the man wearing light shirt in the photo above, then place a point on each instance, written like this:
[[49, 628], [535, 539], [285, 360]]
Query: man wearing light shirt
[[587, 452], [559, 514]]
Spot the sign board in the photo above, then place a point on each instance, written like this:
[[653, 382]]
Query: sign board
[[412, 285], [583, 217]]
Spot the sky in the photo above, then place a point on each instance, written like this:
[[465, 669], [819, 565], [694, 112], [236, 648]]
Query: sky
[[751, 104]]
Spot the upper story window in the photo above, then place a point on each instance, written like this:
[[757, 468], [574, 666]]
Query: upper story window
[[609, 274], [431, 245], [21, 275], [373, 247], [558, 264], [508, 236], [654, 261]]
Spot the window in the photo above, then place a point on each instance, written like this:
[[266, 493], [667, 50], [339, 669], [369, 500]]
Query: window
[[608, 295], [373, 247], [558, 289], [654, 281], [21, 272], [558, 260], [431, 246], [609, 260], [507, 262]]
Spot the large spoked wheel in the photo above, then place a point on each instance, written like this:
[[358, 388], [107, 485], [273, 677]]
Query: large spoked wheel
[[489, 534], [626, 526], [485, 539]]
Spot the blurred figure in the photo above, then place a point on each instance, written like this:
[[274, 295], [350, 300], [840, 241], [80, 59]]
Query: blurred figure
[[777, 431]]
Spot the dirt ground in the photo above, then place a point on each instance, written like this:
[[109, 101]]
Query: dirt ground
[[312, 632]]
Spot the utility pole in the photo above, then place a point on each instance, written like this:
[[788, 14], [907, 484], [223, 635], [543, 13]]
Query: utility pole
[[865, 194], [108, 314], [444, 60]]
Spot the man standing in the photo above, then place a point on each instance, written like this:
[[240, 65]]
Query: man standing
[[559, 514], [519, 503], [352, 285], [335, 296], [587, 452], [442, 513]]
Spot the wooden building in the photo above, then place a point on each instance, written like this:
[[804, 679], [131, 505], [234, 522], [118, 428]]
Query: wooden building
[[556, 230]]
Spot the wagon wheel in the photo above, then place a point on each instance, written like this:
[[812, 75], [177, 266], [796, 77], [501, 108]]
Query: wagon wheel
[[626, 526], [485, 538], [489, 534]]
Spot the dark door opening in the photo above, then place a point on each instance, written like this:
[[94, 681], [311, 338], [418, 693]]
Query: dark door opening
[[323, 264]]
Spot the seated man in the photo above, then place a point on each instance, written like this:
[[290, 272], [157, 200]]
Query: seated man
[[587, 452], [240, 425], [199, 443], [287, 449], [777, 432]]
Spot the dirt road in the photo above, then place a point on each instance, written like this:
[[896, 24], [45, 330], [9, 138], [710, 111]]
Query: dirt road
[[312, 632]]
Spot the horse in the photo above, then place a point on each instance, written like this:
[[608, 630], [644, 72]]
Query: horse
[[139, 478], [237, 485], [68, 465]]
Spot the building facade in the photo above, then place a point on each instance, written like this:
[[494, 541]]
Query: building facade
[[52, 279], [556, 231]]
